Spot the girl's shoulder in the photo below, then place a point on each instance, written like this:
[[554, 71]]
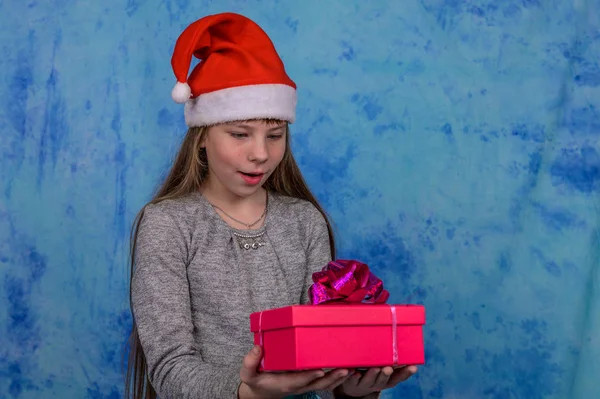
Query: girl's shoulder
[[185, 210], [296, 208]]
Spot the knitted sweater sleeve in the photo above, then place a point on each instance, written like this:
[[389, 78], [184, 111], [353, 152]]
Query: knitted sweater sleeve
[[163, 317]]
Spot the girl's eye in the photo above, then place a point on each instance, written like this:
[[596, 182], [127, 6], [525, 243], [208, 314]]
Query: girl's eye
[[275, 136], [238, 135]]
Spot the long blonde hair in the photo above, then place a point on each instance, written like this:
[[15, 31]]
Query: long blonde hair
[[186, 176]]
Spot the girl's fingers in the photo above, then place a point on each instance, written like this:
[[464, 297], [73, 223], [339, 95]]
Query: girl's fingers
[[354, 379], [401, 374], [383, 378], [369, 378], [338, 382], [330, 378], [297, 381]]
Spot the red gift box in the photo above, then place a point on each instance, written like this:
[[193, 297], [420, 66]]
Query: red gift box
[[339, 336], [347, 325]]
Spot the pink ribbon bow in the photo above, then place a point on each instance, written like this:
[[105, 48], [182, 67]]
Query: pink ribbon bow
[[348, 281]]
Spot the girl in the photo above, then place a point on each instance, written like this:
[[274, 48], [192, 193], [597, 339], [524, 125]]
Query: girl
[[233, 230]]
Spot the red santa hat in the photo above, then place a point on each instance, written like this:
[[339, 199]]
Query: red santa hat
[[240, 75]]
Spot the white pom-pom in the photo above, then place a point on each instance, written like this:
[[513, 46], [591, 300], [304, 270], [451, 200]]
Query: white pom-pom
[[181, 92]]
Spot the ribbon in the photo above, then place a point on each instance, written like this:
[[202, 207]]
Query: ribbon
[[347, 281], [394, 338], [260, 337]]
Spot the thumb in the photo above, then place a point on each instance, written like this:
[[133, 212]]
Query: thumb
[[250, 364]]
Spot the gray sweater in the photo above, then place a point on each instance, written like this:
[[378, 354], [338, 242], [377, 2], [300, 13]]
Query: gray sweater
[[194, 288]]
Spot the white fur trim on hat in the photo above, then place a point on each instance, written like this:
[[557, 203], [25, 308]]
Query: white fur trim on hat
[[273, 101]]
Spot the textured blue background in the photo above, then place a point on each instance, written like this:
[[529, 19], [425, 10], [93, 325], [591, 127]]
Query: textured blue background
[[454, 143]]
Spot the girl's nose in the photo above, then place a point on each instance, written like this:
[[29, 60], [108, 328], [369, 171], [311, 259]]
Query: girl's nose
[[259, 151]]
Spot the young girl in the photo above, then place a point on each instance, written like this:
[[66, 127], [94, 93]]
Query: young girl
[[233, 230]]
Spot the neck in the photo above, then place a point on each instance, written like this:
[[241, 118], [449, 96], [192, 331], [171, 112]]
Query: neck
[[221, 196], [234, 209]]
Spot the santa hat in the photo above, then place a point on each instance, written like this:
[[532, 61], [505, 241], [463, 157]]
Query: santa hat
[[240, 75]]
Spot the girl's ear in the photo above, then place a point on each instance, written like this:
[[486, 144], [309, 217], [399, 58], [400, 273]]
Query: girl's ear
[[203, 140]]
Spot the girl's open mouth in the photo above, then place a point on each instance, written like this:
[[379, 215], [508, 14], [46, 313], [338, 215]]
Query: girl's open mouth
[[252, 178]]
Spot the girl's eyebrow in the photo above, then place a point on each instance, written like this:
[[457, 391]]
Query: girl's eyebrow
[[277, 128], [249, 127]]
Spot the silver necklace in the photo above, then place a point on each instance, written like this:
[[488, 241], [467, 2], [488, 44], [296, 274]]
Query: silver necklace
[[248, 225], [248, 241]]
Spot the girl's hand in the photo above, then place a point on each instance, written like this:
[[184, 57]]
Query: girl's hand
[[270, 385], [375, 380]]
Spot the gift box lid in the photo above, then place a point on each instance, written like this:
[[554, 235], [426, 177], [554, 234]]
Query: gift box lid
[[336, 315]]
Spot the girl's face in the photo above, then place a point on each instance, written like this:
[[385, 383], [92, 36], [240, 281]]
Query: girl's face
[[242, 155]]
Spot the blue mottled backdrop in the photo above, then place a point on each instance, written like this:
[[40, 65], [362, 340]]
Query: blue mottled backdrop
[[455, 144]]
